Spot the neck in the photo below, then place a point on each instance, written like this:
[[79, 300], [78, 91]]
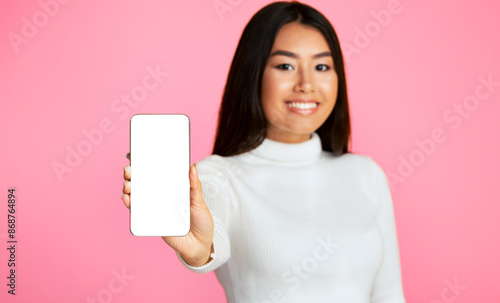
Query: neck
[[287, 138], [275, 151]]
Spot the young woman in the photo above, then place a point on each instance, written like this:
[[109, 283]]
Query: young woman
[[287, 213]]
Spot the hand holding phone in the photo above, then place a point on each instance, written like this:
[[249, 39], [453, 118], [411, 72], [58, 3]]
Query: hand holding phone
[[196, 246]]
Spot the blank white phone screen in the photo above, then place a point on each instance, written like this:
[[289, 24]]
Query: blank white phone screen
[[159, 175]]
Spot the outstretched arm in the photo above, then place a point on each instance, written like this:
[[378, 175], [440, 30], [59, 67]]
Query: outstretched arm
[[215, 194]]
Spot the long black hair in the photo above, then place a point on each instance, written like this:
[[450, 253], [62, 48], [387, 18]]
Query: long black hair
[[242, 123]]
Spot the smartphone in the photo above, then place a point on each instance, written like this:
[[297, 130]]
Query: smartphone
[[159, 175]]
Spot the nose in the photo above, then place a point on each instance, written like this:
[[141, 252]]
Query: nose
[[305, 81]]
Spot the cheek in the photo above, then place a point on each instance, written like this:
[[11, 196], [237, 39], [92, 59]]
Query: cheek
[[266, 96], [330, 88], [271, 105], [266, 86], [270, 94]]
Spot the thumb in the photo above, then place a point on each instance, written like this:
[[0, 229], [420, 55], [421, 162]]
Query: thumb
[[195, 185]]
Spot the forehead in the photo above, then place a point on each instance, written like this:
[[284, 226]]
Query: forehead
[[300, 39]]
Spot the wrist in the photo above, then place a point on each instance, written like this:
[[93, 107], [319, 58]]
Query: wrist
[[200, 261]]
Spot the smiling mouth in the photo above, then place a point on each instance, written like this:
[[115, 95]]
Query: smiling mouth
[[301, 105]]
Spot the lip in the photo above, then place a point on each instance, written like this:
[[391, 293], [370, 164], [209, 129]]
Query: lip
[[303, 112], [302, 101]]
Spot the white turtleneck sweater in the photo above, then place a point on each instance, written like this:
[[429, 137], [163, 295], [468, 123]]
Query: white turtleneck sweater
[[294, 223]]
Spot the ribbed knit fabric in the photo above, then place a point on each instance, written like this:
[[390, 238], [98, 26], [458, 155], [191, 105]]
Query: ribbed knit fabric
[[294, 223]]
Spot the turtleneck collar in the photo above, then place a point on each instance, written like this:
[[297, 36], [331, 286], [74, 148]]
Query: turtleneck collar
[[289, 152]]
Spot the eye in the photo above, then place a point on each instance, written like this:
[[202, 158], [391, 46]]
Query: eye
[[282, 65], [325, 67]]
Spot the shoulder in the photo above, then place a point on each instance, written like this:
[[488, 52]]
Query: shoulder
[[375, 174], [360, 166], [369, 175], [356, 162], [215, 169], [213, 162], [364, 160]]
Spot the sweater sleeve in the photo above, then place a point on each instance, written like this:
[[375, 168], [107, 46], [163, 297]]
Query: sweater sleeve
[[387, 286], [214, 190]]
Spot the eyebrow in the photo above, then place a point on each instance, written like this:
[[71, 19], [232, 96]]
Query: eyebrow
[[290, 54]]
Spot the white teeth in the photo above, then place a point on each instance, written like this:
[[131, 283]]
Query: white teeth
[[302, 105]]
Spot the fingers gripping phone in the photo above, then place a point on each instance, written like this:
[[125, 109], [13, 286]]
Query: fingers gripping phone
[[159, 167]]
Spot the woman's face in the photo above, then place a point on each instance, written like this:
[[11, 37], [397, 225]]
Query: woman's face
[[300, 67]]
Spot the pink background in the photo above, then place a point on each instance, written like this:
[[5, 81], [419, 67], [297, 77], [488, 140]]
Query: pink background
[[67, 75]]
